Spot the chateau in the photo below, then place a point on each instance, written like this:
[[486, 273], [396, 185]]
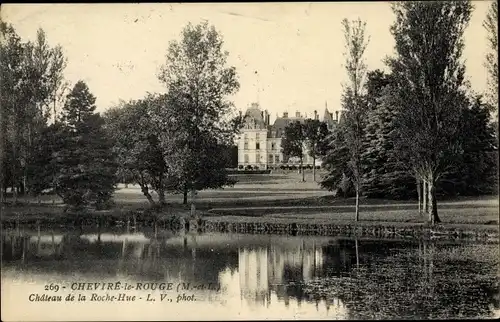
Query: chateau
[[259, 144]]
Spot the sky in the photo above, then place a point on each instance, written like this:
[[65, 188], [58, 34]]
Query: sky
[[288, 56]]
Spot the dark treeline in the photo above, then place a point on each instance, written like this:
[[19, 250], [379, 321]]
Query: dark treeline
[[386, 172], [418, 130], [53, 141]]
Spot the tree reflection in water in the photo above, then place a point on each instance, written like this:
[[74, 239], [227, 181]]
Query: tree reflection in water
[[369, 279], [429, 281]]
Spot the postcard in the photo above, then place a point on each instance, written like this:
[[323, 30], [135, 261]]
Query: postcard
[[249, 161]]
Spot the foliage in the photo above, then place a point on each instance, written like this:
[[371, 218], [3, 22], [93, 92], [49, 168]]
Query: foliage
[[86, 162], [385, 172], [31, 75], [476, 172], [43, 168], [137, 145], [354, 106], [198, 116], [428, 82], [315, 133], [11, 54], [293, 143], [335, 162], [491, 26]]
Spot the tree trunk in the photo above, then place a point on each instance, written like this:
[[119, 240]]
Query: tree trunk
[[357, 253], [3, 152], [314, 168], [14, 192], [25, 181], [302, 169], [161, 191], [55, 112], [193, 206], [2, 194], [185, 194], [22, 187], [15, 167], [419, 193], [161, 196], [145, 191], [27, 159], [357, 202], [424, 196], [432, 202]]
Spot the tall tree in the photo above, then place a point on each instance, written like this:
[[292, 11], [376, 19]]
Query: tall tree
[[29, 71], [11, 58], [80, 105], [44, 66], [87, 167], [429, 86], [200, 84], [292, 143], [352, 99], [315, 133], [384, 170], [491, 26]]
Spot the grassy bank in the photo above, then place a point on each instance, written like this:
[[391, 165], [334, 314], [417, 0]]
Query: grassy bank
[[274, 198]]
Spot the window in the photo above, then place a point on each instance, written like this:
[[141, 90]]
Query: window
[[273, 146], [257, 158], [271, 158], [257, 136], [257, 145], [245, 145], [246, 158], [277, 158]]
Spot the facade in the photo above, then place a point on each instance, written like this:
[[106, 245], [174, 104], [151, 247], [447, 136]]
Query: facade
[[259, 144]]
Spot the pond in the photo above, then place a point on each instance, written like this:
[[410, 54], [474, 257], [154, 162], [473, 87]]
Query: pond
[[165, 275]]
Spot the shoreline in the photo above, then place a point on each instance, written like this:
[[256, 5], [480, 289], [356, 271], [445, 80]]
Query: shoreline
[[470, 217], [133, 220]]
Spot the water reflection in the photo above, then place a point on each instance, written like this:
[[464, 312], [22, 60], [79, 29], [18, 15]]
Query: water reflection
[[278, 276]]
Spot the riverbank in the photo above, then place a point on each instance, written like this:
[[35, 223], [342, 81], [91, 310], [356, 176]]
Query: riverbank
[[461, 219], [261, 201], [475, 211]]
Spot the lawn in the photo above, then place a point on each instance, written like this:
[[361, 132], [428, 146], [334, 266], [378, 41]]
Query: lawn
[[280, 197]]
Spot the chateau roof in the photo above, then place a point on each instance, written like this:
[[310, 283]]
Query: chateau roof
[[255, 118], [254, 111], [327, 117], [255, 115], [277, 129]]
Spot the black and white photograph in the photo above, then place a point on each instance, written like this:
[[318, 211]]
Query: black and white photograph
[[249, 161]]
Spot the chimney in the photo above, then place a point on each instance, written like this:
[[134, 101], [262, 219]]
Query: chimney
[[285, 114], [297, 114], [240, 113], [331, 115], [337, 116], [262, 115], [266, 117], [315, 114]]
